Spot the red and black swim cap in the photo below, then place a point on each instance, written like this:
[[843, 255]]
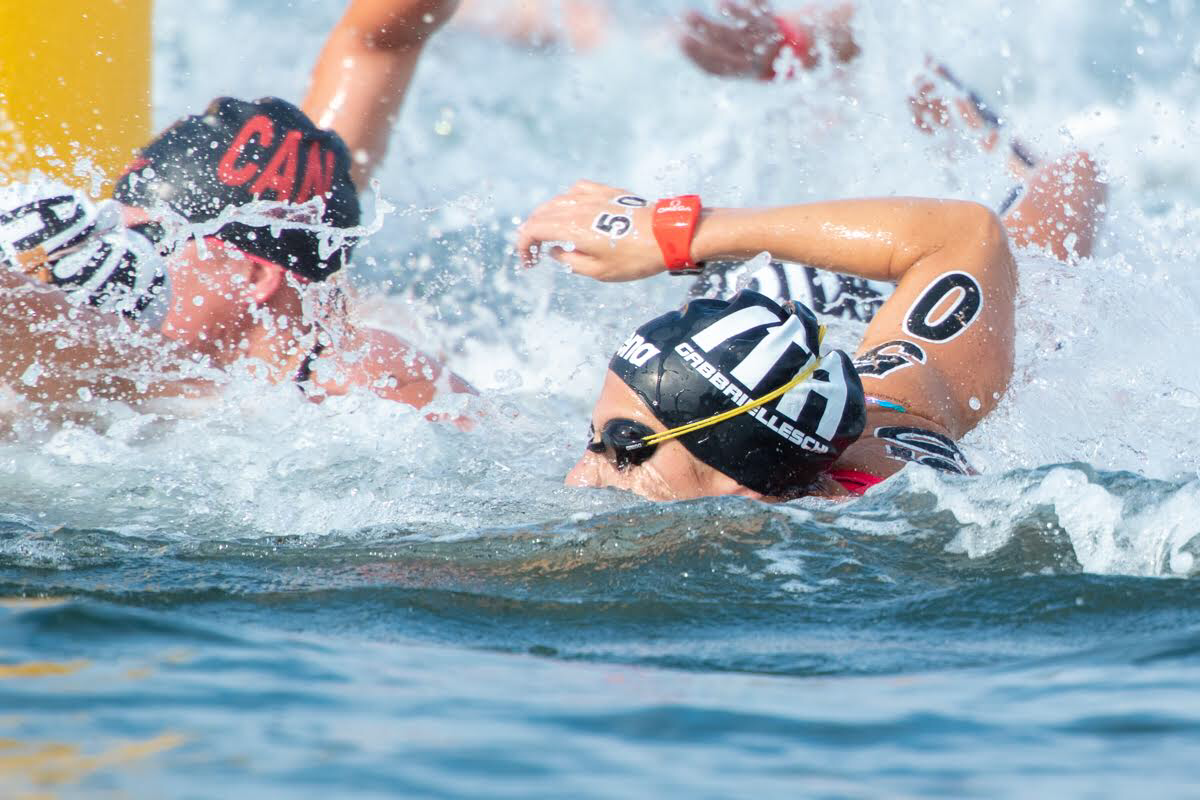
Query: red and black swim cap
[[239, 152]]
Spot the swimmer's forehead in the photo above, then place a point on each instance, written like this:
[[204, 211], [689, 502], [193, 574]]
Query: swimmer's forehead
[[132, 215], [618, 401]]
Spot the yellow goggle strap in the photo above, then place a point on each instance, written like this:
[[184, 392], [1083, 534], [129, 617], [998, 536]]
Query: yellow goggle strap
[[675, 433]]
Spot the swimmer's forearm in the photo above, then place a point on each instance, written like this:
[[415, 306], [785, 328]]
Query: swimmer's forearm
[[364, 72], [56, 349], [877, 239]]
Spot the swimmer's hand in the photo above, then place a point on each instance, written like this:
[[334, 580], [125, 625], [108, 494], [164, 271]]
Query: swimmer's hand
[[741, 40], [609, 230]]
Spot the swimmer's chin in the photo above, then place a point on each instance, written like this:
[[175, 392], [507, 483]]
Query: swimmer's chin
[[659, 491], [649, 487], [824, 487]]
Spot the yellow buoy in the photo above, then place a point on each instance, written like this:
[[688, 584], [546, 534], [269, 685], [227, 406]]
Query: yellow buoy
[[74, 88]]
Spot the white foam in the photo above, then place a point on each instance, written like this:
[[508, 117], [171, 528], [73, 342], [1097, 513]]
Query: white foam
[[1107, 350]]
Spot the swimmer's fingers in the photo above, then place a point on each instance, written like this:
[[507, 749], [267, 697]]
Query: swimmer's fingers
[[545, 225], [589, 266], [716, 34], [708, 52], [539, 226], [526, 245], [580, 263]]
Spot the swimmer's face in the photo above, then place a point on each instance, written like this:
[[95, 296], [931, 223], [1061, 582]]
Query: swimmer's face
[[671, 473], [211, 288]]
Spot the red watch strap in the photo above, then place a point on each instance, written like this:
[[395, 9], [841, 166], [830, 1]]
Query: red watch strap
[[799, 41], [675, 221]]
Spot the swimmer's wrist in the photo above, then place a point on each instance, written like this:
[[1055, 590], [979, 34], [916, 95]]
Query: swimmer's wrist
[[674, 225], [718, 234]]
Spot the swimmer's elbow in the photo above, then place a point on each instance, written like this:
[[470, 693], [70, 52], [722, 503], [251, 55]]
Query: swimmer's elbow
[[979, 234], [975, 224], [396, 25]]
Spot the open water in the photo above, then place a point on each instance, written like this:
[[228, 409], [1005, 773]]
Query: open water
[[260, 597]]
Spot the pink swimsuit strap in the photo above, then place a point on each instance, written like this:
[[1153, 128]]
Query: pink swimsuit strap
[[853, 481]]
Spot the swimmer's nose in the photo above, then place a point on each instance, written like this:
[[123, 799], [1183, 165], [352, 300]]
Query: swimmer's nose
[[585, 474]]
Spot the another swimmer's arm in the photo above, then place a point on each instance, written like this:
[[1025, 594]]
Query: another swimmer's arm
[[877, 239], [365, 69], [391, 368], [54, 350], [953, 303]]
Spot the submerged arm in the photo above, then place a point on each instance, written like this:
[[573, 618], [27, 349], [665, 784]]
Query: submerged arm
[[56, 351]]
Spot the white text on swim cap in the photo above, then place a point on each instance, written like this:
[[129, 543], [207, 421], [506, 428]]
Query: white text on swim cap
[[636, 351], [776, 423]]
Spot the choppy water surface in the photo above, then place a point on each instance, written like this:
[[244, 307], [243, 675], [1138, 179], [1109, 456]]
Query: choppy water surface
[[256, 596]]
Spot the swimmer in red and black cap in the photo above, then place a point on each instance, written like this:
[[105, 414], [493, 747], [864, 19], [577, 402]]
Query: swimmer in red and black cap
[[219, 237], [735, 396], [250, 203], [229, 217]]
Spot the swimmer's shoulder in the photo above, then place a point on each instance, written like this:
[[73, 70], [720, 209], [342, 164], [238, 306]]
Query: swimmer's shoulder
[[892, 439]]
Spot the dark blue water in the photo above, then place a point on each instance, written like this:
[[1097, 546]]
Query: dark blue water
[[708, 649]]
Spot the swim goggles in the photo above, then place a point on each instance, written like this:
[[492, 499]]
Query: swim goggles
[[624, 439]]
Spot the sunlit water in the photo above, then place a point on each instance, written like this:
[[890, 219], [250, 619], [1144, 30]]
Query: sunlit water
[[260, 596]]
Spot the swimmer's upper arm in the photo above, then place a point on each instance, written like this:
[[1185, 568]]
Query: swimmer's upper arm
[[949, 325]]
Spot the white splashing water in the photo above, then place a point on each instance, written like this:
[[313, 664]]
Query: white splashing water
[[1107, 347]]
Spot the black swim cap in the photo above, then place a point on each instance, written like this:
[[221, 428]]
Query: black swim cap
[[237, 152], [716, 355]]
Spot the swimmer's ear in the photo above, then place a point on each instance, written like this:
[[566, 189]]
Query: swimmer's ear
[[265, 280]]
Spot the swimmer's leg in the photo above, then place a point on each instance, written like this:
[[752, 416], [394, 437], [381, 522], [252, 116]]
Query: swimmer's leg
[[1060, 208]]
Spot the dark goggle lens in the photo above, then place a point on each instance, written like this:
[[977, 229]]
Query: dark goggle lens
[[624, 438]]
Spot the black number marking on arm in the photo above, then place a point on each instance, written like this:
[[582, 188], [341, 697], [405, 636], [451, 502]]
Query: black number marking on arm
[[889, 357], [923, 447], [953, 321], [615, 226]]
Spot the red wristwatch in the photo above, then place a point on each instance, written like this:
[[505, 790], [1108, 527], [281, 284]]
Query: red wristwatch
[[675, 221], [799, 41]]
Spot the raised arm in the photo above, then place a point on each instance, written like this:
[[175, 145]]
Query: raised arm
[[745, 37], [953, 305], [365, 69]]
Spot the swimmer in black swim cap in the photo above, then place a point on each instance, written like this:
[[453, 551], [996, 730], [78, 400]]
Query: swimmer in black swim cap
[[743, 387], [729, 397]]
